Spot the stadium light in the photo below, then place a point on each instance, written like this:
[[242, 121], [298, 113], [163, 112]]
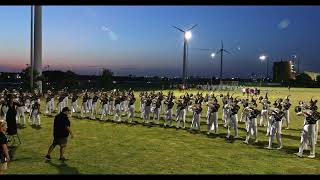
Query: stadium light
[[213, 55], [188, 35], [265, 58]]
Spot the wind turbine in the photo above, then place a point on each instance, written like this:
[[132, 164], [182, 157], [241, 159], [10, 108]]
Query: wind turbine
[[187, 35], [221, 60]]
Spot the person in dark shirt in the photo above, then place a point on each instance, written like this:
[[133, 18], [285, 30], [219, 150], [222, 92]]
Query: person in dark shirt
[[4, 152], [11, 117], [61, 131]]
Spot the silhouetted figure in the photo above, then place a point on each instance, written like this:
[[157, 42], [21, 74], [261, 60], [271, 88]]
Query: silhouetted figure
[[11, 117]]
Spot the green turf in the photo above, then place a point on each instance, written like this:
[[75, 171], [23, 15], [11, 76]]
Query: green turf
[[112, 148]]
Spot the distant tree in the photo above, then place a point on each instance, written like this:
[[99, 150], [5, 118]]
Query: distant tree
[[303, 78], [26, 76], [318, 78], [106, 78], [70, 80]]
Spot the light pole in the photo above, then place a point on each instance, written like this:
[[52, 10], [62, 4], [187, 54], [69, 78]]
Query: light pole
[[187, 36], [295, 58], [265, 58], [212, 56]]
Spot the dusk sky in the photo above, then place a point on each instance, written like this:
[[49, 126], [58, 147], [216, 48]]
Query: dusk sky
[[139, 40]]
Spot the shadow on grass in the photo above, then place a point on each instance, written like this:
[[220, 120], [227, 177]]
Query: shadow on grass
[[63, 168]]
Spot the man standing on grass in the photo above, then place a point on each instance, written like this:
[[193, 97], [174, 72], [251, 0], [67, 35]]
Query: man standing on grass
[[61, 131]]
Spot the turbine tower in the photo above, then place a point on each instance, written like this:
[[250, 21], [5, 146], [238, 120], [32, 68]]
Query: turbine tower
[[187, 35], [36, 45], [221, 60]]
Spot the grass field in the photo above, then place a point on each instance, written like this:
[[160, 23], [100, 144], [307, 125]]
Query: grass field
[[112, 148]]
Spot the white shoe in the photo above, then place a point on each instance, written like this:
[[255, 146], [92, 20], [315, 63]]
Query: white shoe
[[256, 141], [298, 154], [311, 156], [268, 147], [236, 137], [227, 137], [280, 147], [246, 142]]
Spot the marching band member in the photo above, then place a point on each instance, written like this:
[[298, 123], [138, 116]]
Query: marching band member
[[309, 130], [286, 107], [131, 100], [213, 116], [169, 105], [276, 116], [253, 112]]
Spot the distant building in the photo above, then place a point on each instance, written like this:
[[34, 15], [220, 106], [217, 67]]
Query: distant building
[[283, 71]]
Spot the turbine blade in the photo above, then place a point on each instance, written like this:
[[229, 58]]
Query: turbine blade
[[202, 49], [178, 28], [227, 51], [192, 27], [221, 44], [219, 51]]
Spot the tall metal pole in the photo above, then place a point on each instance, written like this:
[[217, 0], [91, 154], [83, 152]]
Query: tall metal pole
[[31, 51], [298, 66], [267, 67], [184, 61], [38, 44], [221, 66]]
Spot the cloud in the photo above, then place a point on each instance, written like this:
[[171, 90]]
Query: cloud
[[113, 36], [284, 24]]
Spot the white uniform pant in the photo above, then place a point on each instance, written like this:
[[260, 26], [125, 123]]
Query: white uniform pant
[[308, 135], [65, 102], [52, 104], [142, 109], [104, 112], [243, 116], [213, 122], [20, 112], [146, 113], [89, 105], [131, 112], [117, 115], [196, 121], [27, 104], [5, 110], [94, 110], [316, 133], [270, 119], [156, 112], [252, 129], [35, 118], [232, 123], [264, 117], [181, 114], [168, 117], [275, 130], [84, 108], [225, 116], [60, 106], [74, 107], [111, 108], [48, 108], [286, 119]]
